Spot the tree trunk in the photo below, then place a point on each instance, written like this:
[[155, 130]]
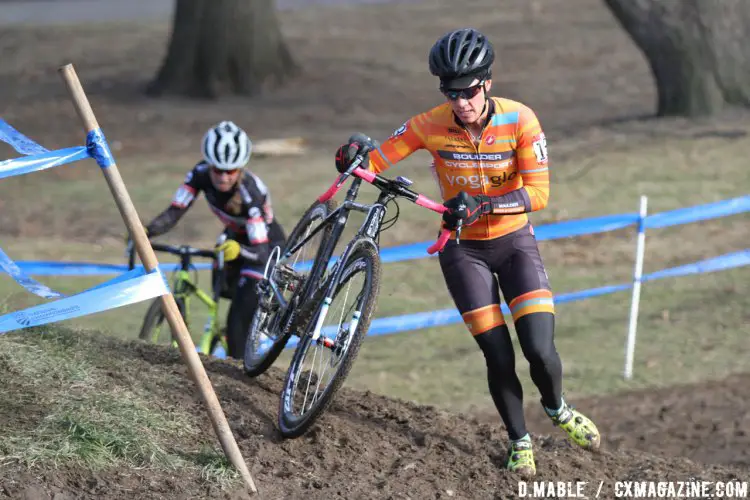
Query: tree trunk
[[696, 50], [223, 46]]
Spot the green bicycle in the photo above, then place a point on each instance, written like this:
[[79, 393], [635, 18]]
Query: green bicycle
[[184, 286]]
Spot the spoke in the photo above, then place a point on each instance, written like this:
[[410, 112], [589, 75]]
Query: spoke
[[307, 389], [328, 351]]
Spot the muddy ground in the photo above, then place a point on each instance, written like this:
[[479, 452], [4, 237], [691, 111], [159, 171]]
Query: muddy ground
[[369, 446]]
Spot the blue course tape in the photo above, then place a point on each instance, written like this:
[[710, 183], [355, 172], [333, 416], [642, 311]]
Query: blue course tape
[[419, 250], [697, 213], [37, 157], [18, 141], [29, 283], [443, 317], [552, 231], [137, 287], [591, 225], [394, 324], [43, 161], [727, 261], [53, 268], [99, 149]]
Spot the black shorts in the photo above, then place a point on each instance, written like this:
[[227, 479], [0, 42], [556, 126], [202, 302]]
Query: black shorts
[[476, 270]]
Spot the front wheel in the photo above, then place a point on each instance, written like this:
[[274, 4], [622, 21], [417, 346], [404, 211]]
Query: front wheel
[[320, 366], [151, 330], [266, 336]]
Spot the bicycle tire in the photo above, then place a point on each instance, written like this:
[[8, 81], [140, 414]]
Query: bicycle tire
[[255, 365], [155, 316], [292, 426]]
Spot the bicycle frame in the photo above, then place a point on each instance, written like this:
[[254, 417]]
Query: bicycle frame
[[366, 234], [184, 288], [338, 219]]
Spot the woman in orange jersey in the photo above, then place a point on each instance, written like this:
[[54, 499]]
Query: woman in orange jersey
[[490, 159]]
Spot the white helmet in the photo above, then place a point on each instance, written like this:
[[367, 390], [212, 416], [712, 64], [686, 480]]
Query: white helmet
[[226, 146]]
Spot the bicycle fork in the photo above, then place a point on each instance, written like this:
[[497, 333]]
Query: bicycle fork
[[317, 333], [325, 307]]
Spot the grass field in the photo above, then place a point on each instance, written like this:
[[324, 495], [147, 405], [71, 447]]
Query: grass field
[[71, 404]]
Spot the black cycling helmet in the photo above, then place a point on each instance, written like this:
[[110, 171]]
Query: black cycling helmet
[[460, 56]]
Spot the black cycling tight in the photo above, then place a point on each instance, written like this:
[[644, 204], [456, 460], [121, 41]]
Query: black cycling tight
[[475, 273], [546, 368]]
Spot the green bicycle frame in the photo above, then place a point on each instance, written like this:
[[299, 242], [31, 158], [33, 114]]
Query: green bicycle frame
[[184, 290]]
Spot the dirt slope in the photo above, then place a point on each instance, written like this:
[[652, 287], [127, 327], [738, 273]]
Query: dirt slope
[[369, 446]]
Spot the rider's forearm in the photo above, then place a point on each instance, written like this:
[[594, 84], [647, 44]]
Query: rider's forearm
[[515, 202], [524, 200], [165, 221], [256, 254]]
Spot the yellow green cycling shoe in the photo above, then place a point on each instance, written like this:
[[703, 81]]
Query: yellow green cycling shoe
[[521, 458], [580, 428]]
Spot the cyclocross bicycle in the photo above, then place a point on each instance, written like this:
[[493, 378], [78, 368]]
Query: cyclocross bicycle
[[299, 296], [184, 287]]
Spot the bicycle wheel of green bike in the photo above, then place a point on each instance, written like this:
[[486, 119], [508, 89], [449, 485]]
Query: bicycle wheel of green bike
[[319, 367], [265, 339], [155, 324]]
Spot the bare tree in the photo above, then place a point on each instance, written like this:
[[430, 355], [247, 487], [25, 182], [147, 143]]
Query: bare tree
[[221, 46], [697, 50]]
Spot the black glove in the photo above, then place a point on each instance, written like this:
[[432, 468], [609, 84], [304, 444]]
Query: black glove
[[358, 144], [467, 208]]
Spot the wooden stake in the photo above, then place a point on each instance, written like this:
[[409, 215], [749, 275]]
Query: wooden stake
[[169, 306]]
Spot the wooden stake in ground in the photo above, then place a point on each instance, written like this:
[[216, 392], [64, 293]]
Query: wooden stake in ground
[[168, 304]]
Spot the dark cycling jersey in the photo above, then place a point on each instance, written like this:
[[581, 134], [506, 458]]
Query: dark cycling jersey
[[246, 215]]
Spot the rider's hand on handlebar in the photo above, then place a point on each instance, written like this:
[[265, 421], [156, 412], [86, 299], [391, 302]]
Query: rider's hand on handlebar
[[358, 144], [465, 209], [230, 248]]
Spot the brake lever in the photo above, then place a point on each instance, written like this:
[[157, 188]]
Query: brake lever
[[460, 224], [342, 178]]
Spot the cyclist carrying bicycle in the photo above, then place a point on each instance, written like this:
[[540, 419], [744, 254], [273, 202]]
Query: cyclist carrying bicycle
[[242, 203], [490, 159]]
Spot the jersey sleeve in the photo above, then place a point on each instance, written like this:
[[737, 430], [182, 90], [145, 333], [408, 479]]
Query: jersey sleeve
[[182, 200], [267, 205], [187, 192], [258, 249], [404, 141], [532, 164]]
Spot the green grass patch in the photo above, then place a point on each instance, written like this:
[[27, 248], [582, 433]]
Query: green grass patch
[[69, 401], [215, 467]]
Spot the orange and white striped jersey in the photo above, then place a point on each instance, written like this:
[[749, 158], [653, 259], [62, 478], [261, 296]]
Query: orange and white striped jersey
[[509, 164]]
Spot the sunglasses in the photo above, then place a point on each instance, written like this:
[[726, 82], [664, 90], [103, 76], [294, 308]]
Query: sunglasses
[[467, 93], [218, 172]]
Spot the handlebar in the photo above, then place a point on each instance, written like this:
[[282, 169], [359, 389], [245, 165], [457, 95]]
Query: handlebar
[[391, 186], [181, 250]]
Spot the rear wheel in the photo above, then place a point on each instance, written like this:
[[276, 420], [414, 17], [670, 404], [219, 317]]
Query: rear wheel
[[320, 366], [267, 337], [155, 325]]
